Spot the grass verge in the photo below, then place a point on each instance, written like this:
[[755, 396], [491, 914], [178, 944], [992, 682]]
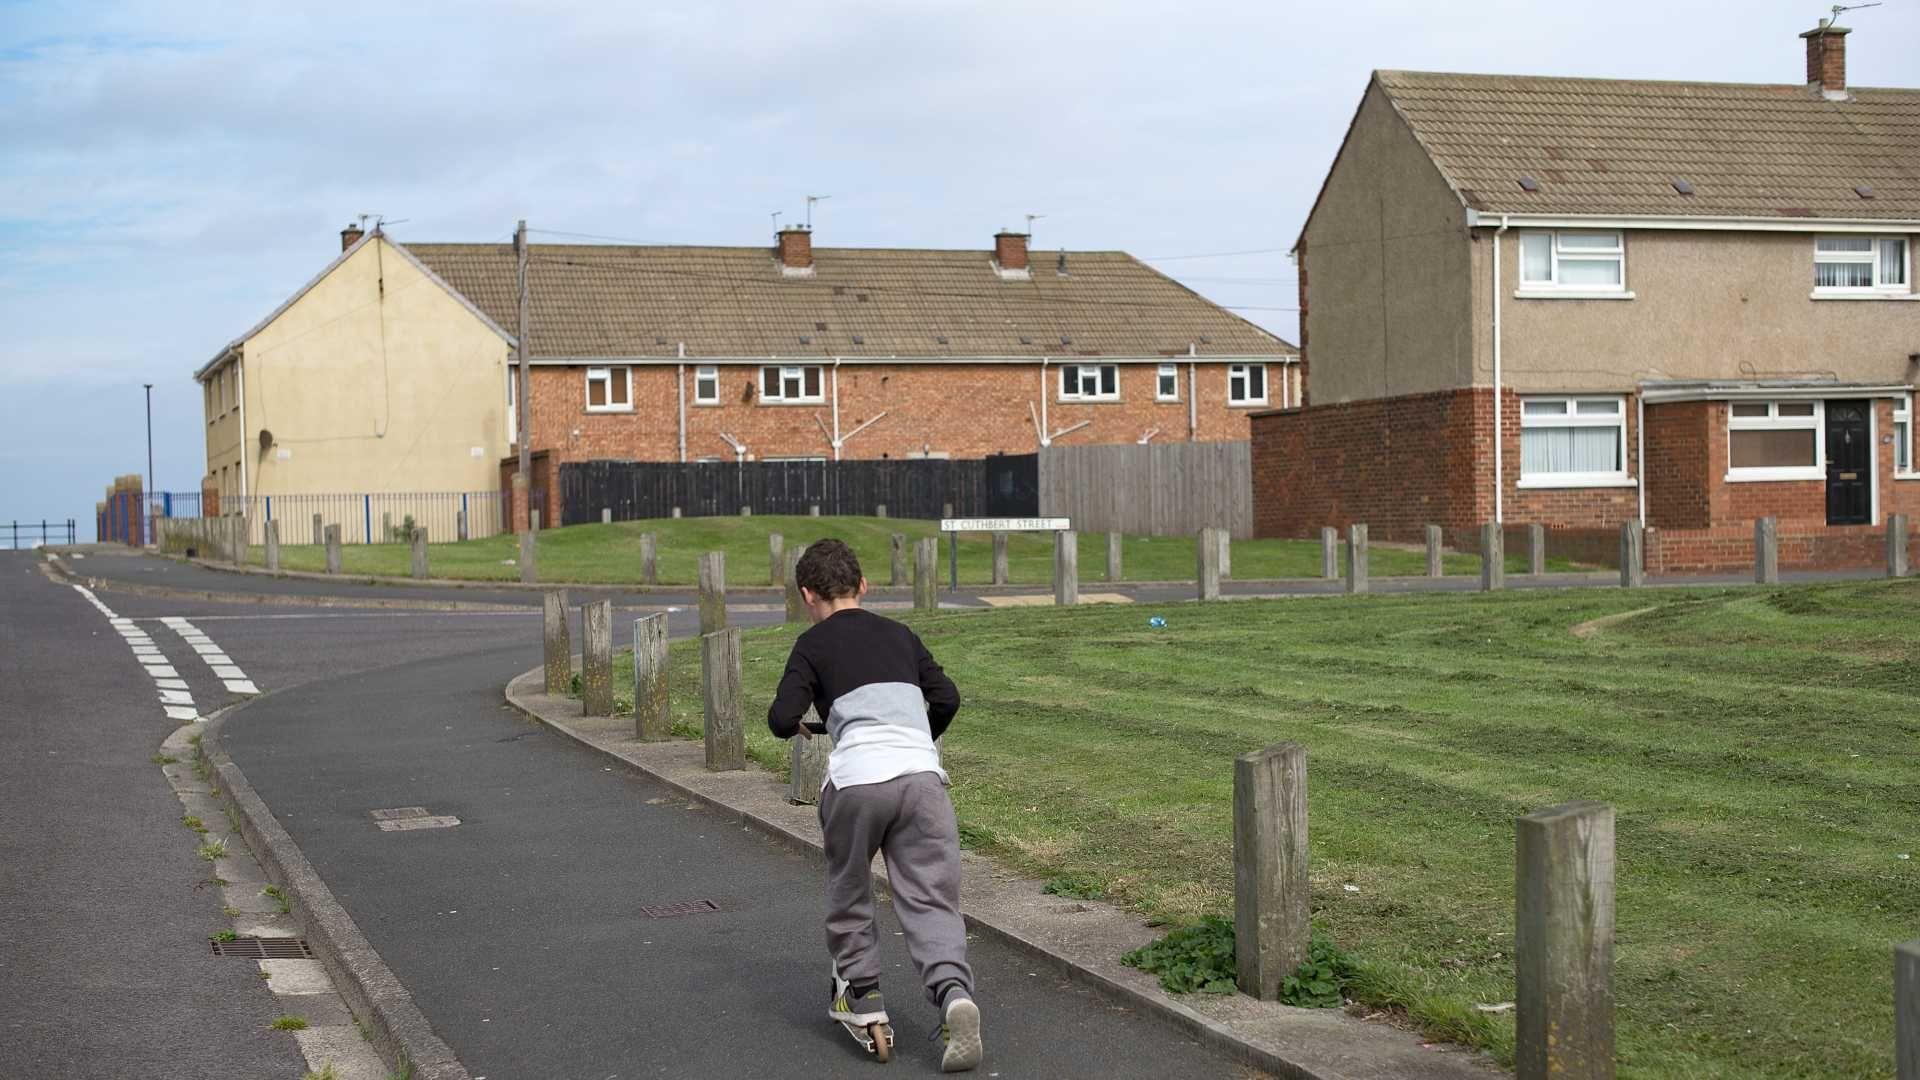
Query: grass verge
[[610, 554], [1761, 746]]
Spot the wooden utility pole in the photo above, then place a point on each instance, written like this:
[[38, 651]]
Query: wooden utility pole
[[523, 479]]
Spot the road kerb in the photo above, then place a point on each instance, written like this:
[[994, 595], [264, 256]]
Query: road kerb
[[1078, 939], [397, 1028]]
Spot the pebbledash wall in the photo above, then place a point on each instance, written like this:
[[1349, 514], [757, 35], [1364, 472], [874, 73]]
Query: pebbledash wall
[[940, 408], [1399, 464]]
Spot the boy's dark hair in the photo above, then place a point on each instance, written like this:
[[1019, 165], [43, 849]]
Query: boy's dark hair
[[828, 569]]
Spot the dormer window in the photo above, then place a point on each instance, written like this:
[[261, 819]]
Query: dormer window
[[1573, 261], [1859, 265]]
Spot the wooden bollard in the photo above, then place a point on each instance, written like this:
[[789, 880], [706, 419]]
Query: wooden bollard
[[1113, 556], [273, 546], [1066, 568], [555, 641], [652, 716], [529, 557], [1223, 538], [1493, 558], [926, 579], [726, 741], [1563, 943], [1207, 556], [419, 553], [1329, 552], [1633, 555], [898, 576], [1435, 564], [649, 559], [677, 512], [1357, 559], [386, 527], [713, 591], [796, 604], [460, 526], [596, 658], [776, 557], [880, 510], [533, 520], [814, 510], [999, 558], [606, 515], [333, 549], [1906, 1011], [808, 761], [1270, 925], [1766, 551], [1536, 548], [319, 532], [237, 550], [1897, 545]]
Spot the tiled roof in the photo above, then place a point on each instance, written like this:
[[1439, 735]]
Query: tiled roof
[[1609, 146], [595, 300]]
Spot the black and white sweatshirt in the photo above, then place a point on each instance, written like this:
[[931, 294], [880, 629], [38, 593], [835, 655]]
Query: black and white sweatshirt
[[884, 698]]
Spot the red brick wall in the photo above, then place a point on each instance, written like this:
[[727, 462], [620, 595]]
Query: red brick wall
[[1680, 459], [1803, 546]]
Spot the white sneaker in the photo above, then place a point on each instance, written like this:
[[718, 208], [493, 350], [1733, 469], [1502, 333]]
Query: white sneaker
[[960, 1030]]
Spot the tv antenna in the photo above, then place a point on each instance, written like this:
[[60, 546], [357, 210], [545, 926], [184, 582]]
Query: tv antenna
[[811, 199], [776, 220], [1031, 218], [1839, 9], [380, 220]]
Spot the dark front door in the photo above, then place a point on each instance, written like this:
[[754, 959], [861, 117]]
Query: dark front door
[[1849, 464]]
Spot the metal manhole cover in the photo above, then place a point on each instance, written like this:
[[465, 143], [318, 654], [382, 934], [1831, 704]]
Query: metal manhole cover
[[399, 812], [409, 818], [678, 908], [263, 948]]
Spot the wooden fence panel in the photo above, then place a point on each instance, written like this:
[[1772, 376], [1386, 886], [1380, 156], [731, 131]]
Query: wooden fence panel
[[1168, 489]]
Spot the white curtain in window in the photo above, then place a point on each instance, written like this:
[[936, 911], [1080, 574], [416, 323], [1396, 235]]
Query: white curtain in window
[[1893, 262], [1536, 256], [1570, 450]]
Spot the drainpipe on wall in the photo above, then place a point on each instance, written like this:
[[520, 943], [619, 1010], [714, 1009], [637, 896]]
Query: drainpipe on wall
[[1640, 453], [836, 408], [1499, 433], [240, 383], [1042, 433], [1193, 395], [739, 448], [680, 383]]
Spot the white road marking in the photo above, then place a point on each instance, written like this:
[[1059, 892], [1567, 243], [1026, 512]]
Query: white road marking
[[162, 671], [175, 697], [219, 662], [185, 713], [171, 684]]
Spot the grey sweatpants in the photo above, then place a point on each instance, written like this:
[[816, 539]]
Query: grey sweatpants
[[910, 818]]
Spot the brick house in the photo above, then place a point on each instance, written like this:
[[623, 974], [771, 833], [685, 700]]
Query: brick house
[[1585, 302], [691, 354]]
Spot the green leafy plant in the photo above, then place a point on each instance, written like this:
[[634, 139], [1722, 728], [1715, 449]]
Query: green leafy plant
[[326, 1073], [278, 898], [403, 532], [193, 823], [212, 849], [1192, 958], [291, 1023], [225, 935], [1201, 958], [163, 759], [1075, 887], [574, 686]]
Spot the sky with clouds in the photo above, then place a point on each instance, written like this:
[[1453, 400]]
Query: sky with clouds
[[170, 172]]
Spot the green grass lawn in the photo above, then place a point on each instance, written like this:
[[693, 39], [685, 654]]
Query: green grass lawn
[[1762, 748], [610, 554]]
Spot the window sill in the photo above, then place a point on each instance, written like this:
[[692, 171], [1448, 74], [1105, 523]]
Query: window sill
[[1550, 482], [793, 401], [1087, 401], [1570, 294], [1166, 401], [706, 404], [1261, 404], [598, 409], [1864, 294], [1748, 476], [1906, 476]]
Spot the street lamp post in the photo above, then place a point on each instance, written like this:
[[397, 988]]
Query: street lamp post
[[146, 509]]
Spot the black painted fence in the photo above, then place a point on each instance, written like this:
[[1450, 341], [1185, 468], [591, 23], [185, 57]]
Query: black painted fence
[[908, 488]]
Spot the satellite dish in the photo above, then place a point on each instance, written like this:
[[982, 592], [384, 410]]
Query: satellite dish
[[266, 440]]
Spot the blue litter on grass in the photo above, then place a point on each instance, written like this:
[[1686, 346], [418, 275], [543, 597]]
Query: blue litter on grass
[[1157, 623]]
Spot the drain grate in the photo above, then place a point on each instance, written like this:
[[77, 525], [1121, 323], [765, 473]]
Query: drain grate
[[263, 948], [678, 908]]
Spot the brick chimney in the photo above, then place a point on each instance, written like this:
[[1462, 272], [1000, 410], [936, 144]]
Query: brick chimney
[[1827, 59], [350, 236], [793, 246], [1010, 250]]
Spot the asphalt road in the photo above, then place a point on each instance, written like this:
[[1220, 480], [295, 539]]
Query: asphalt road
[[520, 932], [104, 908]]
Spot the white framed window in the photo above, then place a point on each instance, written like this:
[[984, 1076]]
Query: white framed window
[[1573, 261], [513, 403], [1166, 383], [1573, 442], [609, 389], [1246, 384], [706, 385], [1775, 440], [1903, 434], [790, 385], [1089, 382], [1859, 265]]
